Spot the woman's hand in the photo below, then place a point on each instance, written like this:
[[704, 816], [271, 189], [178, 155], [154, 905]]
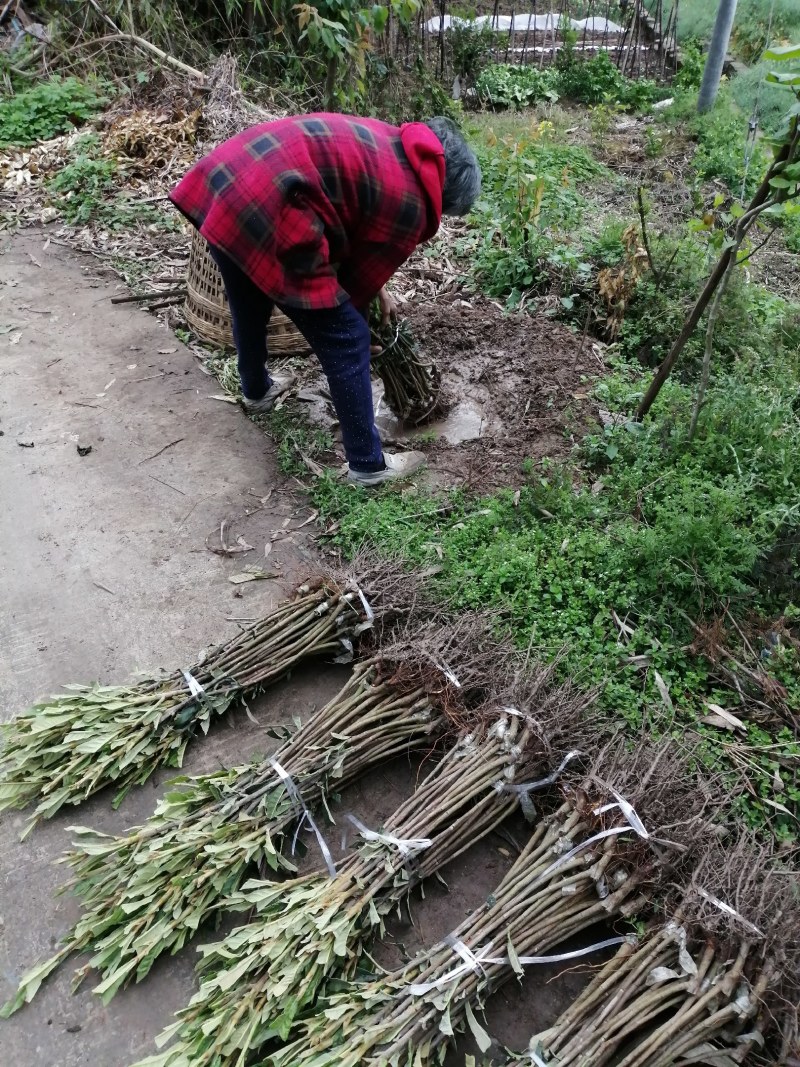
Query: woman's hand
[[388, 307]]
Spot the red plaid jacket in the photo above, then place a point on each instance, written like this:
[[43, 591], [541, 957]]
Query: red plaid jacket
[[319, 208]]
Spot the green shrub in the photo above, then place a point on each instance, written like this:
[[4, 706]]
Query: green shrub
[[470, 47], [753, 17], [693, 63], [792, 232], [48, 109]]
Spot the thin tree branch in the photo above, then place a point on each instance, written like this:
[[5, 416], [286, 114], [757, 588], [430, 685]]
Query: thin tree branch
[[705, 373], [757, 248], [645, 239], [763, 199]]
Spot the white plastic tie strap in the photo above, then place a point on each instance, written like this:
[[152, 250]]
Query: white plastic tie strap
[[305, 816], [369, 614], [405, 846], [729, 911], [474, 961], [447, 673], [631, 818], [530, 787], [194, 686], [536, 1058], [524, 789], [627, 810]]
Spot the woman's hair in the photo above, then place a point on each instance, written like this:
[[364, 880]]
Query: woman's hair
[[462, 173]]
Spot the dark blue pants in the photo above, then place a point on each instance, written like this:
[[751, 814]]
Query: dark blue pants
[[339, 337]]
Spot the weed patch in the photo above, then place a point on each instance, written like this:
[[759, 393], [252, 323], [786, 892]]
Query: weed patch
[[48, 109], [86, 193], [531, 203], [610, 577]]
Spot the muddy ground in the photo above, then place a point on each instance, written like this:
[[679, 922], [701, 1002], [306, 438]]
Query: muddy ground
[[529, 380], [106, 571], [516, 387]]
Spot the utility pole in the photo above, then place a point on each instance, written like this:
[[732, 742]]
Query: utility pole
[[717, 50]]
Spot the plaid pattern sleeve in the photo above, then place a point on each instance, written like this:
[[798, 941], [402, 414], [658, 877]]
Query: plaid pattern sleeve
[[319, 208]]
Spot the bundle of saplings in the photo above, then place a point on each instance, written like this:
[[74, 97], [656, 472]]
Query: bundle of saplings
[[609, 841], [63, 750], [310, 931], [712, 982], [412, 384], [146, 892]]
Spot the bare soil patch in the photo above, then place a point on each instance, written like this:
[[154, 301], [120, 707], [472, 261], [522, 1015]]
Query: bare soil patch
[[517, 388], [530, 377]]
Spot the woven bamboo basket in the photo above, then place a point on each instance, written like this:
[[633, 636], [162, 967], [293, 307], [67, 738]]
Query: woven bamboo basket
[[209, 316]]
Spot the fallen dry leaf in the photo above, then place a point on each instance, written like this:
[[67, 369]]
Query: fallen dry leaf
[[722, 718], [251, 574]]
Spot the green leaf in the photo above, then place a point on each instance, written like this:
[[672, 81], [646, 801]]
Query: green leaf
[[107, 988], [29, 985], [445, 1023], [514, 959], [781, 78], [783, 53], [482, 1039]]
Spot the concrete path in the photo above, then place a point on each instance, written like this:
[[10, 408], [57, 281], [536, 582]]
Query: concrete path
[[104, 572]]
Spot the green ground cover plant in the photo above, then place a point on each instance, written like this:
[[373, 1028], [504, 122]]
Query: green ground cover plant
[[610, 580], [49, 108]]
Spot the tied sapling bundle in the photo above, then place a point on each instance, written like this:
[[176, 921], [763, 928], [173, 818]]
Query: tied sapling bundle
[[635, 990], [305, 932], [696, 988], [63, 750], [146, 892], [412, 386], [590, 862]]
